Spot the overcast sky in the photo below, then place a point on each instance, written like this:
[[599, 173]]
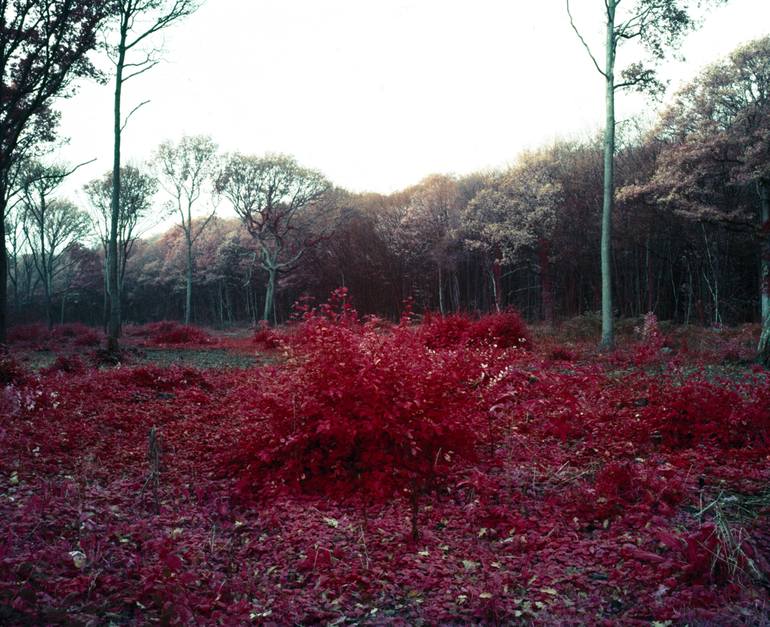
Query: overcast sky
[[378, 94]]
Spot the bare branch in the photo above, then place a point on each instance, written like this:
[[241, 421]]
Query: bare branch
[[181, 9], [134, 110], [148, 65], [583, 41]]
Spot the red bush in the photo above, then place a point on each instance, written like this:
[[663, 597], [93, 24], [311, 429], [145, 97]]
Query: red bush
[[358, 412], [170, 332], [505, 329], [265, 337], [451, 331], [39, 334], [700, 413]]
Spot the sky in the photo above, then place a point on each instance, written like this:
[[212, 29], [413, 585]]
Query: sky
[[377, 94]]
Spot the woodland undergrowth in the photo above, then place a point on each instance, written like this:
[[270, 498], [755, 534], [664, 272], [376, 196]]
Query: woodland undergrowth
[[460, 470]]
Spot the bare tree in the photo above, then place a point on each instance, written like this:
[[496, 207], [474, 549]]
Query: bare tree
[[49, 224], [657, 25], [138, 21], [137, 191], [275, 198], [185, 169]]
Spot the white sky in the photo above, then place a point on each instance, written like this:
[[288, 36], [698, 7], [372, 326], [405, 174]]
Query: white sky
[[377, 94]]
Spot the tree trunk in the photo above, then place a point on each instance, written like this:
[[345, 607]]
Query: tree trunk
[[608, 336], [48, 300], [440, 291], [188, 294], [106, 295], [546, 287], [3, 265], [496, 287], [649, 276], [764, 198], [113, 326], [63, 303], [763, 349], [269, 294], [455, 292]]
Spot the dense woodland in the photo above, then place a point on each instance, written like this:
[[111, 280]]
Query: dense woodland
[[688, 245]]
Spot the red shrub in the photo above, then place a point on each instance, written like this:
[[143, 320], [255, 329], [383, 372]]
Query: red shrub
[[169, 332], [378, 324], [452, 331], [359, 412], [505, 329], [266, 337], [39, 334], [699, 413]]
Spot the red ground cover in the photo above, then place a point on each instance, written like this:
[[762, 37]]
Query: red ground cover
[[553, 485], [167, 332]]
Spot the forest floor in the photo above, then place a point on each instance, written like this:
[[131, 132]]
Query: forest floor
[[623, 488]]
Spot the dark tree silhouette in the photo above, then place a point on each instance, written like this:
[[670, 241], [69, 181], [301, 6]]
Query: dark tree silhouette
[[44, 46]]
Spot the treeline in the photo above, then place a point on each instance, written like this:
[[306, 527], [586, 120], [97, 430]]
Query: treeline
[[690, 240]]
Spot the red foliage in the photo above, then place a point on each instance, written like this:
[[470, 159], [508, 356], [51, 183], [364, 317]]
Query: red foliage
[[357, 412], [503, 330], [169, 332], [451, 331], [12, 372], [576, 493], [561, 354], [67, 364], [265, 337], [701, 413], [39, 336]]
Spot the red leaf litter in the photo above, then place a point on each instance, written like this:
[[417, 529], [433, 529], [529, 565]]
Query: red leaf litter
[[546, 485]]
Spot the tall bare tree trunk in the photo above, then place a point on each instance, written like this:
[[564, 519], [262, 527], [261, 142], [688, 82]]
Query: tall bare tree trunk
[[106, 295], [3, 264], [113, 324], [649, 277], [608, 336]]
